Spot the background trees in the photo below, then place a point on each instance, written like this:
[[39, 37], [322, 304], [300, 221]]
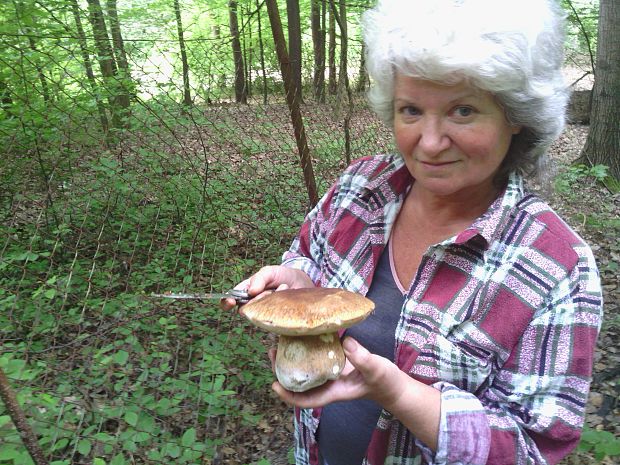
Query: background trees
[[603, 143], [131, 165]]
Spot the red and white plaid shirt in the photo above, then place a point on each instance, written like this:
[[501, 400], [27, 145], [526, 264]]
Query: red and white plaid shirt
[[502, 319]]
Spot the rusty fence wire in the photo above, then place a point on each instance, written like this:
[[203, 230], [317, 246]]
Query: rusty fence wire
[[102, 204]]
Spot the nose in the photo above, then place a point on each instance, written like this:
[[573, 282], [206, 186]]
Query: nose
[[433, 137]]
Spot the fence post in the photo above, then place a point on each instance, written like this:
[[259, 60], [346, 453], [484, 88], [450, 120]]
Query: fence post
[[19, 420]]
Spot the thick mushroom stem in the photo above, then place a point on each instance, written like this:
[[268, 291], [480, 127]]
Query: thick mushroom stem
[[304, 362]]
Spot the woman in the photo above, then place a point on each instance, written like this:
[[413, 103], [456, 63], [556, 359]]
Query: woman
[[487, 305]]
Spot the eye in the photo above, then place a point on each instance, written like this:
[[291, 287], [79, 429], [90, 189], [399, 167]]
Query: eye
[[409, 110], [463, 111]]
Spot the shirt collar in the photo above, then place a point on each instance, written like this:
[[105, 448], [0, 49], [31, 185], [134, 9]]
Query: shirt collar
[[391, 180], [489, 226]]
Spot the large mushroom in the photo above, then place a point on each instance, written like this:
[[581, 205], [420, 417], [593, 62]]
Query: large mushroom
[[308, 320]]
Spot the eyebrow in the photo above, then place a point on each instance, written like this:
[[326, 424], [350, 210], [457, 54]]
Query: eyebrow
[[464, 95]]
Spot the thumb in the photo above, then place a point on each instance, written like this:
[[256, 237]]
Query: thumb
[[357, 354]]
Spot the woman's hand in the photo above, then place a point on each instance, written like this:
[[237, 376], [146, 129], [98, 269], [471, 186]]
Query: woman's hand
[[268, 279], [371, 376]]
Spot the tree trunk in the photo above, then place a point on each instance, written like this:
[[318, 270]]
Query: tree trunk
[[362, 77], [343, 74], [261, 51], [105, 57], [40, 73], [187, 98], [318, 42], [6, 101], [603, 142], [343, 80], [241, 93], [26, 29], [247, 55], [331, 58], [88, 66], [294, 42], [293, 101], [122, 65]]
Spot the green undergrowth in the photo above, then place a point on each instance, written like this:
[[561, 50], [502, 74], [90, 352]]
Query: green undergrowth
[[104, 373]]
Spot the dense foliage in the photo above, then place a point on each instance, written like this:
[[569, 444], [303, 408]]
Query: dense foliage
[[114, 187]]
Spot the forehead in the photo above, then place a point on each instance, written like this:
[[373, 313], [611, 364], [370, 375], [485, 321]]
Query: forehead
[[408, 87]]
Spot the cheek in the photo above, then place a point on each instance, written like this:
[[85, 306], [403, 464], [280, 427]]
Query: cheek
[[405, 138], [488, 146]]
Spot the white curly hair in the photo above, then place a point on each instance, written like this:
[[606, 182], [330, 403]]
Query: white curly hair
[[514, 50]]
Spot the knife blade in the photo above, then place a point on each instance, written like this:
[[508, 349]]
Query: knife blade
[[240, 296]]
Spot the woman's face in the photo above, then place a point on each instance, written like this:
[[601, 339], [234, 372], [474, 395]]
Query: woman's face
[[453, 138]]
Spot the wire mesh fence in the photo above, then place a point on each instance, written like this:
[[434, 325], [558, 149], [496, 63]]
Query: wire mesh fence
[[104, 202], [128, 168]]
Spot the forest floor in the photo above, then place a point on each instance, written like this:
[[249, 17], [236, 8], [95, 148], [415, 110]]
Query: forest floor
[[593, 211]]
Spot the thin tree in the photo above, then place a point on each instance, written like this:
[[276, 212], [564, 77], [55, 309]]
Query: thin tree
[[122, 65], [187, 98], [26, 30], [241, 92], [362, 77], [317, 21], [340, 15], [603, 142], [88, 66], [261, 48], [331, 52], [293, 100], [6, 101], [344, 88], [105, 57], [294, 42]]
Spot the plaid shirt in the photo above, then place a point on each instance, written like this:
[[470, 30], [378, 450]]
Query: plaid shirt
[[502, 319]]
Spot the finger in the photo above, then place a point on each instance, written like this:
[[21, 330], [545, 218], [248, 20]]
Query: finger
[[282, 287], [263, 279], [370, 366], [228, 304], [263, 294], [243, 285], [272, 358], [314, 398], [381, 378]]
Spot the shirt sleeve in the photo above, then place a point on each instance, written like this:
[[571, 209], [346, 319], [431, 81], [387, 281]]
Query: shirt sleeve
[[532, 411]]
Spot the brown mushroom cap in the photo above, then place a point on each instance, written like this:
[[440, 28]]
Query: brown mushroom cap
[[308, 311]]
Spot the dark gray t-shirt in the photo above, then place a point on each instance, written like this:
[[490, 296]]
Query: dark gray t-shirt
[[346, 427]]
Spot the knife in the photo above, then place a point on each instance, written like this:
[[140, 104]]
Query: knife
[[240, 296]]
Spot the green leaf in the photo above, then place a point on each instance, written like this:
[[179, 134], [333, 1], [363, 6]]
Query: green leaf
[[131, 418], [173, 450], [50, 294], [8, 452], [84, 447], [189, 437], [99, 461], [612, 447], [121, 357], [118, 460], [141, 437]]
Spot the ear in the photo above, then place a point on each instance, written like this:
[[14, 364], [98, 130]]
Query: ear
[[516, 129]]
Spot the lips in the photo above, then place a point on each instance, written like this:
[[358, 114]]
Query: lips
[[436, 164]]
